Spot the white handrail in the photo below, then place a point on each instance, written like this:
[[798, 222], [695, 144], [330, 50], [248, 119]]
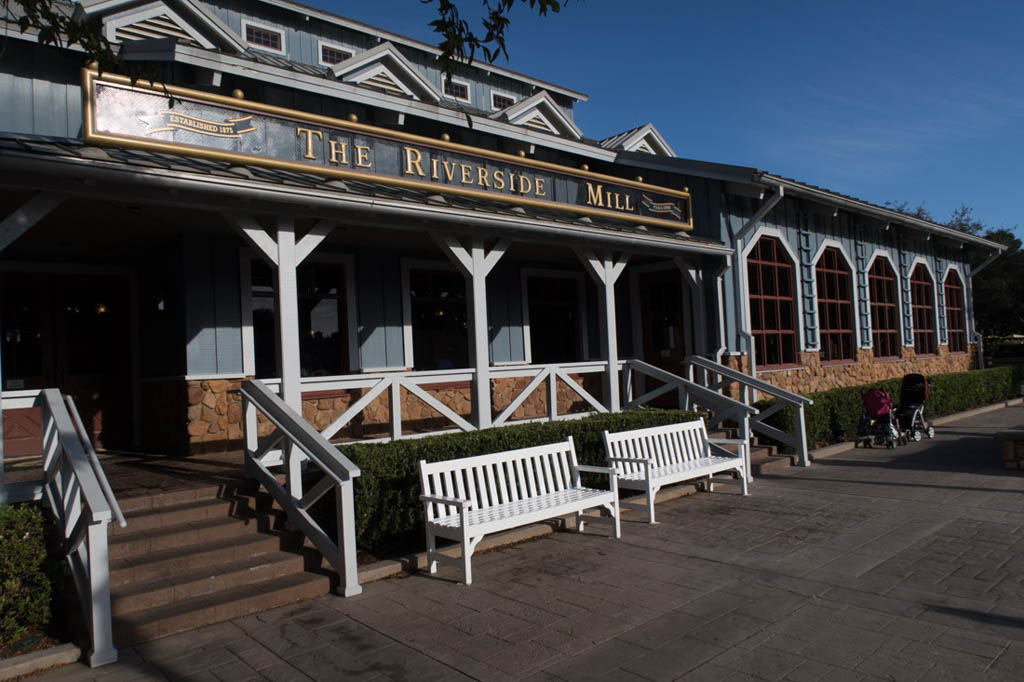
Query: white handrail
[[94, 461], [753, 382], [295, 434], [82, 512]]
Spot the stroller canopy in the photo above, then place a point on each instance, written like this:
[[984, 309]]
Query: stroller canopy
[[877, 403], [913, 389]]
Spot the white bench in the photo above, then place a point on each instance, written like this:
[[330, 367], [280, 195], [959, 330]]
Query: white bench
[[465, 499], [647, 459]]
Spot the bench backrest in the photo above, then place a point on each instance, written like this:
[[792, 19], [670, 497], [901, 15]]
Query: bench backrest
[[511, 476], [665, 445]]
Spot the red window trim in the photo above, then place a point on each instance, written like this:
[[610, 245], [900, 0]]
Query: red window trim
[[884, 306], [922, 286], [955, 313], [781, 268]]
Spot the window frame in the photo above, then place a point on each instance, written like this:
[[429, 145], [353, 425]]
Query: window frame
[[456, 81], [347, 261], [246, 24], [843, 268], [895, 306], [321, 44], [953, 272], [581, 305], [502, 93], [409, 264], [792, 264], [931, 307]]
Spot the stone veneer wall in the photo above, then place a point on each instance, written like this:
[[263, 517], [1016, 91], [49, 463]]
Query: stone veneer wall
[[214, 413], [813, 376]]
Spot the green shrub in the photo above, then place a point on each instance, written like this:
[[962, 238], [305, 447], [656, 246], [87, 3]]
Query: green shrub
[[25, 593], [835, 414], [388, 509]]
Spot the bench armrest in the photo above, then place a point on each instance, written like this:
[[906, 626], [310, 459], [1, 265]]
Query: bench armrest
[[629, 459], [596, 470], [730, 441], [454, 501]]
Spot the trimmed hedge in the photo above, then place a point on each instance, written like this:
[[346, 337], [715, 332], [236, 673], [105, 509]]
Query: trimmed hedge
[[24, 585], [835, 414], [388, 508]]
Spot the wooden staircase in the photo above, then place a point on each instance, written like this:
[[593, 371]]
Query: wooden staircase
[[193, 557], [764, 459]]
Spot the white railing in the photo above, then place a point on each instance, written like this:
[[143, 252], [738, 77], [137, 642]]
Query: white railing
[[718, 377], [78, 495], [691, 396], [551, 374], [301, 442]]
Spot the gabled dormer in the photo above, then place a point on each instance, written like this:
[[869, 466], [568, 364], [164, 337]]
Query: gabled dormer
[[645, 138], [540, 112], [384, 68], [183, 20]]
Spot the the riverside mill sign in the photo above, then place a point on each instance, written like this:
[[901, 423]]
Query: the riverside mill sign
[[176, 120]]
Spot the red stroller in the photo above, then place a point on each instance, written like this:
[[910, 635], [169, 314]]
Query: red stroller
[[878, 421]]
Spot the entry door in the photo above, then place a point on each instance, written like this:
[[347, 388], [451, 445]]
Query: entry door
[[69, 332], [662, 319]]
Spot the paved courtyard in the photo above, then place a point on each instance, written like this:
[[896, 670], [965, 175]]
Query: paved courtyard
[[869, 565]]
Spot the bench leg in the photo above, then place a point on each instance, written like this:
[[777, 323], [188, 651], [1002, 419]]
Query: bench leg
[[467, 554], [651, 492], [711, 483], [579, 522], [743, 477], [431, 552]]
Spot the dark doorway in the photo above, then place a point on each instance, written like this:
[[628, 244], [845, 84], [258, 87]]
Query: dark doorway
[[70, 332], [662, 326]]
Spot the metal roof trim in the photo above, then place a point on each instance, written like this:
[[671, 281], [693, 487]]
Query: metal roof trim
[[888, 214]]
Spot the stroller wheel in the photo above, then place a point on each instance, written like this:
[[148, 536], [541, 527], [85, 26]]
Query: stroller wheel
[[916, 435], [931, 431]]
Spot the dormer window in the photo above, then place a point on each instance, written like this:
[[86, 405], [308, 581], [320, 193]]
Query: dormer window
[[331, 54], [456, 89], [500, 101], [263, 37]]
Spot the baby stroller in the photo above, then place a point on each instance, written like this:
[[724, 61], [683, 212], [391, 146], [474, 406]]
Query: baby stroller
[[877, 423], [910, 413]]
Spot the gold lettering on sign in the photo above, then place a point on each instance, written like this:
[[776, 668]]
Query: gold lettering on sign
[[594, 195], [481, 177], [525, 186], [499, 179], [299, 132], [629, 206], [413, 158], [339, 152], [467, 174], [539, 187], [449, 169], [433, 170], [363, 156]]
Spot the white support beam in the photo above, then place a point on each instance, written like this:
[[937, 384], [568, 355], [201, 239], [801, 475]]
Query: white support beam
[[312, 239], [288, 340], [255, 235], [606, 270], [476, 263], [26, 216]]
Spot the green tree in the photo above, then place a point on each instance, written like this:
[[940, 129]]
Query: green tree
[[999, 288]]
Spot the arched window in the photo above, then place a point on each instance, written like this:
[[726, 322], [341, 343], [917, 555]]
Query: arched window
[[835, 306], [772, 304], [922, 304], [885, 314], [956, 325]]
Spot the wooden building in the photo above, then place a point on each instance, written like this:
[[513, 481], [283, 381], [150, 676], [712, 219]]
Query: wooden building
[[305, 200]]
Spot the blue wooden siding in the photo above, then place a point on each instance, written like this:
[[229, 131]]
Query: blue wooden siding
[[212, 306], [505, 313], [303, 45], [39, 89], [805, 227], [379, 320]]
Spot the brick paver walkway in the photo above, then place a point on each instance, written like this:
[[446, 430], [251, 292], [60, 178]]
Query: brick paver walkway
[[871, 565]]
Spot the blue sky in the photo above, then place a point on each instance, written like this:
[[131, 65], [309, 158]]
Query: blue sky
[[902, 101]]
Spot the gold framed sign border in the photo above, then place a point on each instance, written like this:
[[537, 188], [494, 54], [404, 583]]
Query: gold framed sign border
[[90, 77]]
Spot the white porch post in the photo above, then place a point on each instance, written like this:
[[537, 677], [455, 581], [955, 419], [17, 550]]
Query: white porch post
[[605, 271], [475, 264]]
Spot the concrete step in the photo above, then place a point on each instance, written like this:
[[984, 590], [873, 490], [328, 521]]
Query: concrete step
[[172, 515], [179, 586], [218, 606], [141, 543], [168, 562]]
